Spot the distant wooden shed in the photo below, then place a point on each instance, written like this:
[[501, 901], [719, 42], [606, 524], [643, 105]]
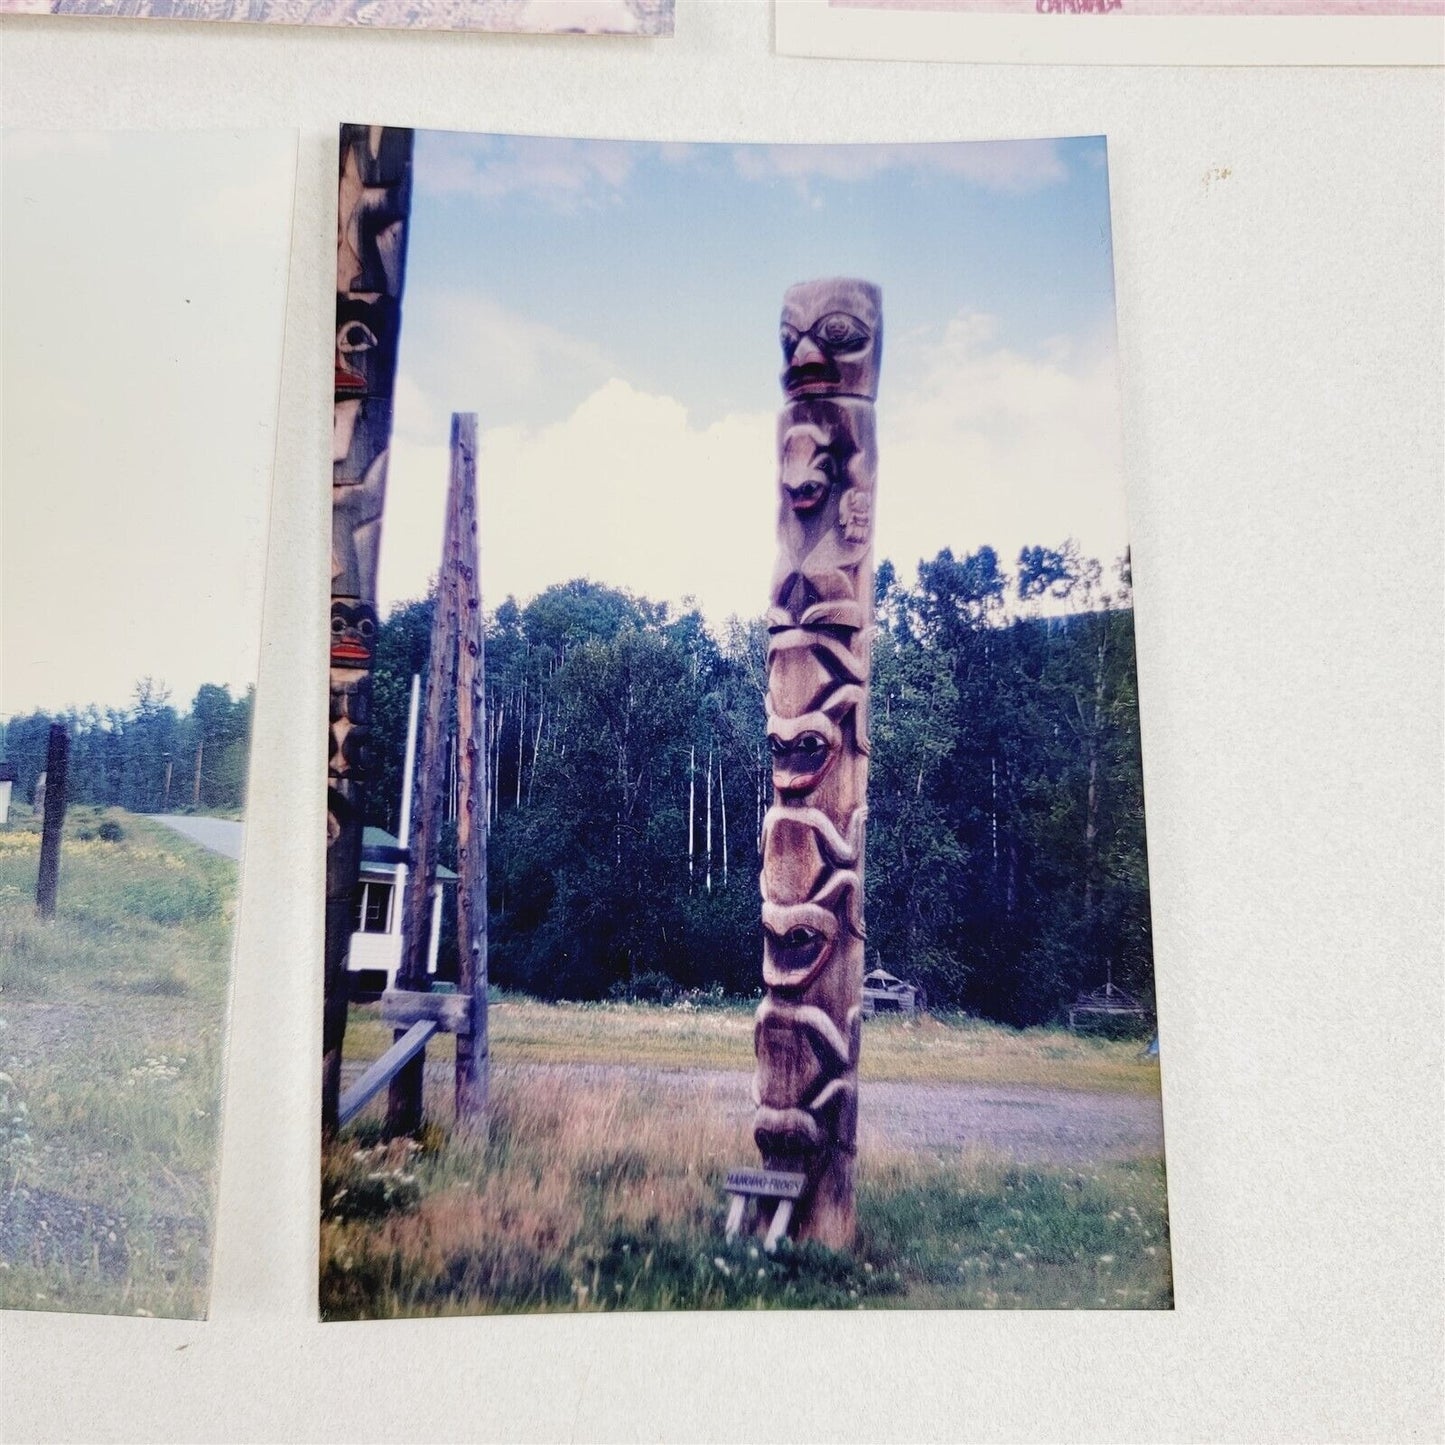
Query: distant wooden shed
[[1107, 1004], [884, 992]]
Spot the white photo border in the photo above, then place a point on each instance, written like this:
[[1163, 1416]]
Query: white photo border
[[853, 32]]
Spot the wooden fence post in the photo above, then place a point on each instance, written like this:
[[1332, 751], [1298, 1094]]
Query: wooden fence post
[[57, 761], [820, 620], [373, 207], [455, 671], [473, 1059]]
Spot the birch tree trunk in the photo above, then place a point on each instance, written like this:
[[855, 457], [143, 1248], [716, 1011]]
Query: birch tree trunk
[[723, 802]]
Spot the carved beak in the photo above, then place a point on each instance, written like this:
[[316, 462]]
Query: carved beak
[[807, 353], [809, 365]]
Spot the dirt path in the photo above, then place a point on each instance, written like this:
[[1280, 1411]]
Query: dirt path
[[1034, 1126]]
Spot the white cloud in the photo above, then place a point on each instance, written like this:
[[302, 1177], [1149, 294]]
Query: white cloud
[[1011, 166], [573, 175], [626, 490], [465, 352], [979, 444], [566, 174], [983, 445]]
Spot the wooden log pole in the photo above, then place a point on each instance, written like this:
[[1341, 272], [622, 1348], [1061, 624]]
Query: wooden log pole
[[404, 1100], [820, 616], [57, 764], [473, 1060], [373, 207]]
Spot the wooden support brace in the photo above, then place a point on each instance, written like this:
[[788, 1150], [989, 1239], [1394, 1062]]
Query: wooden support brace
[[381, 1073], [450, 1012]]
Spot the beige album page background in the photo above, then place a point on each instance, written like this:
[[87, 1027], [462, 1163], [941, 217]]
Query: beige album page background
[[1278, 242]]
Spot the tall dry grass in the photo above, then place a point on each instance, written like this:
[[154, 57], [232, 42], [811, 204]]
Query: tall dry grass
[[590, 1194], [516, 1218]]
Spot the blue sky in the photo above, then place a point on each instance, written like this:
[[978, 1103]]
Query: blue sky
[[609, 309]]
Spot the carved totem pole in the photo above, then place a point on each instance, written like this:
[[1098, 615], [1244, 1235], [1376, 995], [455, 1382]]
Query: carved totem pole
[[374, 201], [819, 619]]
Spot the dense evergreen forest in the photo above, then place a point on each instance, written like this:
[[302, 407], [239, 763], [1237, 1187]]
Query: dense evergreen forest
[[629, 777], [148, 757]]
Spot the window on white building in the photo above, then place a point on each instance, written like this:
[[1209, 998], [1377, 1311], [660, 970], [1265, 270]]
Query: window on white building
[[373, 907]]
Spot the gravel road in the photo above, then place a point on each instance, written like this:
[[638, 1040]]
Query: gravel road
[[220, 835], [1034, 1126], [40, 1227]]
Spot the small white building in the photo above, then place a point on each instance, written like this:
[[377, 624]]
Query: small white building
[[375, 952], [7, 783]]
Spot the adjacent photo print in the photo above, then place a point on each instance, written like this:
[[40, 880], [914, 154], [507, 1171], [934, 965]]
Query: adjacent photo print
[[737, 890], [553, 17], [141, 386], [1118, 32]]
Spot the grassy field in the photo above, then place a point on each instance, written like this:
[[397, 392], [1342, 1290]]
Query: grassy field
[[927, 1050], [598, 1192], [111, 1051]]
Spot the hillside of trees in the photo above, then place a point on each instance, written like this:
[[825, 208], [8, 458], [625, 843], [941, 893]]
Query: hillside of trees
[[628, 761], [148, 757]]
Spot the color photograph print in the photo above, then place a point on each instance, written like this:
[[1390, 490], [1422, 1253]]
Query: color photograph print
[[141, 385], [574, 17], [1118, 32], [664, 590]]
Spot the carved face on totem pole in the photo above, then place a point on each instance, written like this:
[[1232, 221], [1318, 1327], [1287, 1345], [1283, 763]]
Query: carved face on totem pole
[[832, 336], [353, 634], [814, 692], [827, 459], [807, 1030]]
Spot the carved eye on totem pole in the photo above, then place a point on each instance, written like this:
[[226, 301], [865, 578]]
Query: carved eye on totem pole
[[798, 949], [800, 938], [832, 334], [797, 943], [354, 341], [801, 757], [353, 634]]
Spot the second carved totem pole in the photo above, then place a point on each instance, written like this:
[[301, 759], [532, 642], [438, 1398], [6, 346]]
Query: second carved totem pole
[[373, 209], [819, 619]]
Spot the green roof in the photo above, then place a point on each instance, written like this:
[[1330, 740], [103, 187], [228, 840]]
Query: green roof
[[380, 838]]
